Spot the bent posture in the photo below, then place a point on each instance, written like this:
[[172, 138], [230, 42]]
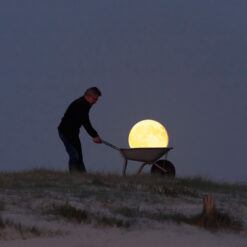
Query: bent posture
[[77, 115]]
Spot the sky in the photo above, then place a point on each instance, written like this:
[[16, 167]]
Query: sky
[[181, 63]]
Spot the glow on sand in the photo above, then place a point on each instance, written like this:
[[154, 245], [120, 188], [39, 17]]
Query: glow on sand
[[148, 133]]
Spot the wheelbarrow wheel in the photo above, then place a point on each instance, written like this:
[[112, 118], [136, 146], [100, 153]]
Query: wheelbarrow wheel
[[167, 165]]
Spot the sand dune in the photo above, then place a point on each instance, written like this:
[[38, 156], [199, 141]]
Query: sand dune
[[170, 235], [44, 208]]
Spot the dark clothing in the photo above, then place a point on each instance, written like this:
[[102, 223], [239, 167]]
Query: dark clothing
[[73, 148], [75, 116]]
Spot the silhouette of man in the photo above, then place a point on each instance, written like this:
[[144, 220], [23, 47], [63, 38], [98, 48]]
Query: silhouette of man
[[75, 116]]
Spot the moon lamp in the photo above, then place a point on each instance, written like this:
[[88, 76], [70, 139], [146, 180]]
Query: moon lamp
[[148, 134]]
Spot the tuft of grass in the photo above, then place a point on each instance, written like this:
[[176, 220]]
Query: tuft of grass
[[171, 191], [162, 189], [23, 230], [2, 224], [70, 213], [112, 221], [128, 212], [2, 205], [156, 216], [205, 184], [97, 181], [219, 220], [73, 214]]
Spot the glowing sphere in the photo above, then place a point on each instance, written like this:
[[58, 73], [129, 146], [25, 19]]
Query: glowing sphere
[[147, 134]]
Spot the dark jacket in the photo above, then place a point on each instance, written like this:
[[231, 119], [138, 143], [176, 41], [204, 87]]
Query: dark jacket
[[75, 116]]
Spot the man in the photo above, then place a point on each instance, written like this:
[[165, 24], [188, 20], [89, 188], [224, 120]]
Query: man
[[75, 116]]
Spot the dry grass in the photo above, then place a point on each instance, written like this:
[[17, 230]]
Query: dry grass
[[218, 221], [7, 226], [73, 214], [115, 201], [70, 213]]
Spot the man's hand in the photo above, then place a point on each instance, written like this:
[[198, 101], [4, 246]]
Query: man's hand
[[97, 139]]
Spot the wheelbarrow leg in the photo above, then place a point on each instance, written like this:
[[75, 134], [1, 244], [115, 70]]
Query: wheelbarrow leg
[[140, 169], [124, 167]]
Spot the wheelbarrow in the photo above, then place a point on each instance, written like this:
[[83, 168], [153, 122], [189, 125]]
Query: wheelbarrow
[[149, 156]]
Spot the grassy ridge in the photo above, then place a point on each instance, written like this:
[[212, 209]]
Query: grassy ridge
[[115, 201], [46, 178]]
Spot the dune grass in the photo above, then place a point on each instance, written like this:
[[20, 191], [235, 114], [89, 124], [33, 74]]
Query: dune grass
[[73, 214], [46, 178], [112, 222], [2, 206], [23, 231], [41, 183], [2, 225], [70, 213], [116, 200], [205, 184], [218, 221]]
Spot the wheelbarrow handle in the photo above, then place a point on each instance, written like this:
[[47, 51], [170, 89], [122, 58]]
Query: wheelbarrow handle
[[110, 145]]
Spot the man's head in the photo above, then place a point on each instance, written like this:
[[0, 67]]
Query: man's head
[[91, 95]]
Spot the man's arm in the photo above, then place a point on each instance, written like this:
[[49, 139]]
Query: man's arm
[[91, 131]]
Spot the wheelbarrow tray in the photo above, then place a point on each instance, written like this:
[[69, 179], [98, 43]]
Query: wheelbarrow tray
[[148, 155], [145, 155]]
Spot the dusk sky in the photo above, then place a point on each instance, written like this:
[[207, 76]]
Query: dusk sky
[[182, 63]]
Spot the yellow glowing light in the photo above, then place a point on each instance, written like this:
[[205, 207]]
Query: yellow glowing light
[[148, 133]]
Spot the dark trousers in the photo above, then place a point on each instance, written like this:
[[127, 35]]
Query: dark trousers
[[73, 148]]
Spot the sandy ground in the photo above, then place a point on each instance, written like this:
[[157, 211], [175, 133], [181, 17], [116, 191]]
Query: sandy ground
[[170, 235], [21, 203]]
